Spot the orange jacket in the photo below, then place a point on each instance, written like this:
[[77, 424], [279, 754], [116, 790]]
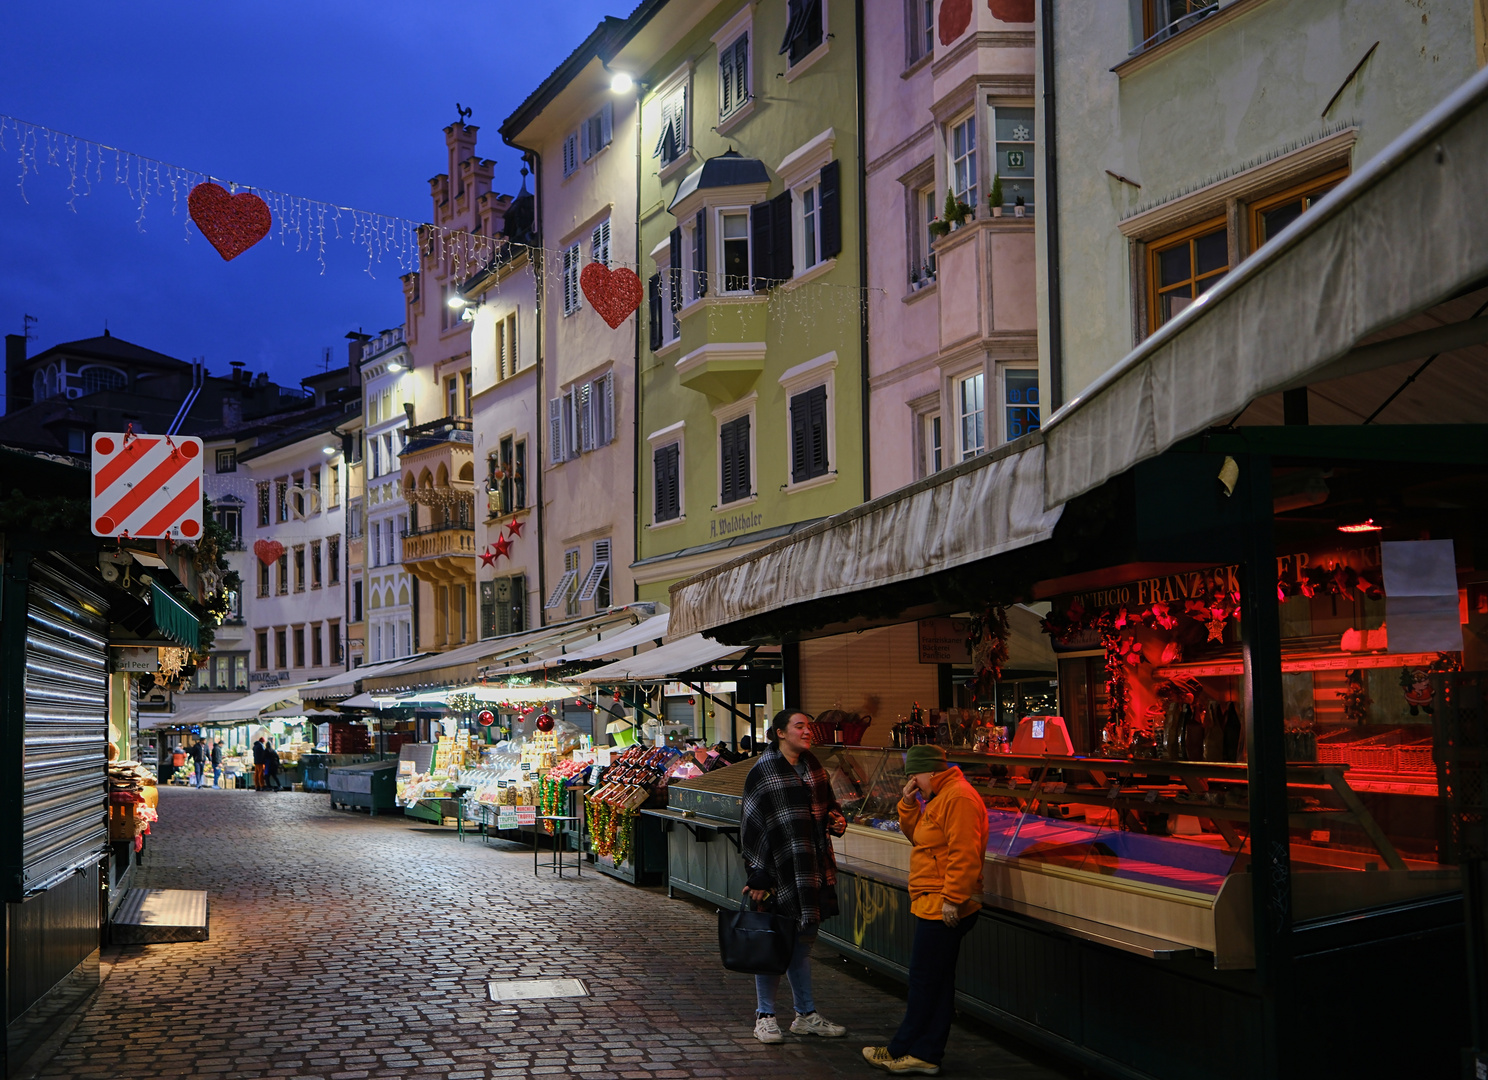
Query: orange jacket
[[949, 839]]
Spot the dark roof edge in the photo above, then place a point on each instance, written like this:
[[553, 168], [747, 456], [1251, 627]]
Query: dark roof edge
[[592, 46]]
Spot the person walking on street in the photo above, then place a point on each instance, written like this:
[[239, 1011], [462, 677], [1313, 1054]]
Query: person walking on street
[[949, 843], [260, 759], [788, 811], [216, 757], [198, 760], [271, 767]]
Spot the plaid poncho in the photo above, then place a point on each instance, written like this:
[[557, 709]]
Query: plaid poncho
[[785, 836]]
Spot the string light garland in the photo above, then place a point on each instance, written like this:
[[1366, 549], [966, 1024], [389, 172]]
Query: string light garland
[[308, 225]]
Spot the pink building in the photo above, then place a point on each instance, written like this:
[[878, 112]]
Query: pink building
[[953, 343]]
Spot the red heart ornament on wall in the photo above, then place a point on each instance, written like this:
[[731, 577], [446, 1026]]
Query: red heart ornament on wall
[[231, 223], [615, 294], [1013, 11], [268, 551]]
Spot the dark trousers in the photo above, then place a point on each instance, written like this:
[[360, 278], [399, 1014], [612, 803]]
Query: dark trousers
[[932, 989]]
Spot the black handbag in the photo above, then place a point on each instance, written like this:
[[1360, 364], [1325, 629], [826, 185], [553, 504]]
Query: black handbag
[[756, 942]]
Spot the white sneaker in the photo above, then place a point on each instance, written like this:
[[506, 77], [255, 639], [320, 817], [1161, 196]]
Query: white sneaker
[[813, 1023], [766, 1030]]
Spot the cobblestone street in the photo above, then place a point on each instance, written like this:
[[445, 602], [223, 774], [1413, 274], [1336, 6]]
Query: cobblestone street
[[345, 947]]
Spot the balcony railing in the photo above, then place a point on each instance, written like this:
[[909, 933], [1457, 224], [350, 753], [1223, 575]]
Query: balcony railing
[[451, 429], [438, 541]]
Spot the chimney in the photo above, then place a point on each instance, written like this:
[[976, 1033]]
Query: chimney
[[237, 371], [17, 389], [232, 409]]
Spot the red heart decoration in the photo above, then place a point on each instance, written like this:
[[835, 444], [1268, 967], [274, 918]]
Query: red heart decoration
[[268, 551], [231, 223], [1013, 11], [615, 294]]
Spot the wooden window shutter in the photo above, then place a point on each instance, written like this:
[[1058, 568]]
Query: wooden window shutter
[[700, 253], [761, 234], [782, 243], [817, 420], [607, 406], [675, 270], [555, 430], [653, 309], [831, 209], [800, 439], [726, 457]]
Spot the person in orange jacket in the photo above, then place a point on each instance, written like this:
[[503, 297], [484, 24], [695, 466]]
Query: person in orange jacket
[[949, 838]]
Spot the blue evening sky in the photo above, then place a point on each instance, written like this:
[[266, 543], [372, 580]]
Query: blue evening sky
[[341, 100]]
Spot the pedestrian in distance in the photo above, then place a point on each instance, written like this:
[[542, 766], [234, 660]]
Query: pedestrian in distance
[[198, 760], [789, 810], [216, 757], [271, 767], [945, 821], [260, 759]]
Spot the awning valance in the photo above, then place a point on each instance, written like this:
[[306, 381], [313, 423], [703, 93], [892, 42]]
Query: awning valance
[[972, 511], [655, 665], [608, 646], [1404, 233], [173, 618], [344, 685], [252, 705]]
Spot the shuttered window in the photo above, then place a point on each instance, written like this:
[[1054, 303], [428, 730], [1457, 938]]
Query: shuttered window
[[700, 255], [597, 131], [654, 311], [671, 143], [555, 431], [666, 465], [804, 29], [733, 76], [808, 420], [570, 154], [571, 296], [735, 482], [596, 585], [599, 243]]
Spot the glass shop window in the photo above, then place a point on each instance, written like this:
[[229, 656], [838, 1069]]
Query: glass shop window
[[1183, 266]]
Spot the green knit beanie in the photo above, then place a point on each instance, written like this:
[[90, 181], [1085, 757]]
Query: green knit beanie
[[918, 759]]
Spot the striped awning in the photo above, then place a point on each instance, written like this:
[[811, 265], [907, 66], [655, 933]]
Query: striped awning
[[173, 618]]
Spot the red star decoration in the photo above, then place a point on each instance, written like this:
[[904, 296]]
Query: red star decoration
[[515, 527], [487, 558], [503, 547]]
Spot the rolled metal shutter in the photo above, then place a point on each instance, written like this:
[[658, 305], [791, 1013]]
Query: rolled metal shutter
[[66, 739]]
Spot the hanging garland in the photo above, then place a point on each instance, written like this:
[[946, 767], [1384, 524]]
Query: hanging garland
[[987, 641], [461, 701]]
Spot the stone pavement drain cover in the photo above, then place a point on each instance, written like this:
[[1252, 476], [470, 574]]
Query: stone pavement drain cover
[[531, 989]]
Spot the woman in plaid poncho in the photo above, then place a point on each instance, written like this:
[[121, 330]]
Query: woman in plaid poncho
[[788, 812]]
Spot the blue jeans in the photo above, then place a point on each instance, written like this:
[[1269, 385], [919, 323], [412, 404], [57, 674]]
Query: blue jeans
[[932, 989], [199, 770], [216, 775], [799, 974]]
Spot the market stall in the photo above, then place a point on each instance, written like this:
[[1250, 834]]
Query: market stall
[[1264, 774]]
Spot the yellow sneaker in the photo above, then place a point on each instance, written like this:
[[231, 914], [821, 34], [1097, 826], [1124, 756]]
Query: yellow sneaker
[[912, 1066], [877, 1056]]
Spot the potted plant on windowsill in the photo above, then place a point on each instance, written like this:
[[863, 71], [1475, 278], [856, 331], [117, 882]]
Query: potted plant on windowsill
[[1019, 209], [938, 229], [994, 197], [956, 212], [914, 279]]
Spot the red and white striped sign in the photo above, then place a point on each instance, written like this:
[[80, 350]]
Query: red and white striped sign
[[147, 486]]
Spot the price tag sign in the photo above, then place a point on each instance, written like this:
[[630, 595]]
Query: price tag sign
[[602, 756], [1151, 796], [526, 766], [506, 818], [406, 767], [526, 815]]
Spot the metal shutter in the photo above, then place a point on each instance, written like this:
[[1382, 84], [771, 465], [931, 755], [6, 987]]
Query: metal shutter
[[65, 816]]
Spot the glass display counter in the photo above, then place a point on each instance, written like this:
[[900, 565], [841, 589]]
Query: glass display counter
[[1150, 851]]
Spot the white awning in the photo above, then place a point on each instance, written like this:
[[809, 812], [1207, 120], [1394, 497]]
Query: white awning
[[1404, 233], [606, 646], [972, 511], [344, 685], [252, 705], [655, 665]]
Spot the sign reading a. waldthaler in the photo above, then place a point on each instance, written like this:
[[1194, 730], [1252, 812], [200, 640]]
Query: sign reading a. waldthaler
[[147, 487]]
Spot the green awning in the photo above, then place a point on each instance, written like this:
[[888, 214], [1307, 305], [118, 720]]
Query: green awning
[[173, 618]]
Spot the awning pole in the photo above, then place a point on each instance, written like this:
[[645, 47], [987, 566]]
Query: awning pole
[[1270, 836]]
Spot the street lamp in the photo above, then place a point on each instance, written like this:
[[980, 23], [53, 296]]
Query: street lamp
[[621, 83]]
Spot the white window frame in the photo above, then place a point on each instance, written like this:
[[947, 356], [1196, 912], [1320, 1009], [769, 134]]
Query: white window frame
[[799, 171], [573, 298], [916, 32], [672, 433], [1027, 146], [965, 452], [971, 157], [718, 262], [807, 246], [725, 414], [929, 441], [1002, 402], [821, 371]]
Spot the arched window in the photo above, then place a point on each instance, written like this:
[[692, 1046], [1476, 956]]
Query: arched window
[[97, 378], [38, 386]]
